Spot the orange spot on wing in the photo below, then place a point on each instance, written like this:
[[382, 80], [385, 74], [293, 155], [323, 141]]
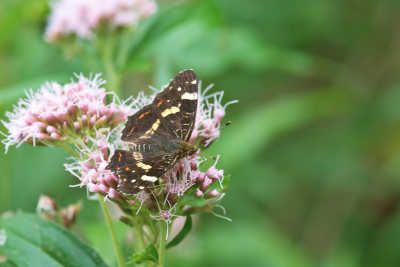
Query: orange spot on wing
[[159, 103], [141, 116], [131, 131], [127, 168]]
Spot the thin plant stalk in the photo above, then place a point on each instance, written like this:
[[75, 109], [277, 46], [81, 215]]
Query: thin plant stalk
[[163, 243], [111, 230], [113, 77]]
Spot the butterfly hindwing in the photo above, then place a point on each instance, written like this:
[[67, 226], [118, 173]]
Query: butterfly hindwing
[[176, 105], [139, 169]]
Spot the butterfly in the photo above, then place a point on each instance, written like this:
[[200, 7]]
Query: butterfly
[[159, 134]]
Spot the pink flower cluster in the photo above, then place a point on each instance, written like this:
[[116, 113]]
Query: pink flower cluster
[[186, 174], [82, 18], [60, 113], [209, 117]]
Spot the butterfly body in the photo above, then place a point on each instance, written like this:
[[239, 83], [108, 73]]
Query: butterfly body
[[159, 134]]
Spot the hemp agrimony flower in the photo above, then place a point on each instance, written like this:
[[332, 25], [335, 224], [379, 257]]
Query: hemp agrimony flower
[[85, 18], [57, 114]]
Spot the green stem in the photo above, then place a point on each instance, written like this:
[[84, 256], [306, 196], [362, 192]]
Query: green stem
[[113, 235], [113, 78], [124, 44], [138, 226], [163, 243]]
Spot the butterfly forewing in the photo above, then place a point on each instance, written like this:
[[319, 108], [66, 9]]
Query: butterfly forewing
[[176, 105], [143, 127]]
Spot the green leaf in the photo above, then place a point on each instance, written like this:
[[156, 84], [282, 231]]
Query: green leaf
[[33, 241], [182, 234], [7, 264], [197, 203], [150, 254], [225, 182]]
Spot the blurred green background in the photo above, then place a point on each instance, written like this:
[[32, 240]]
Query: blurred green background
[[314, 148]]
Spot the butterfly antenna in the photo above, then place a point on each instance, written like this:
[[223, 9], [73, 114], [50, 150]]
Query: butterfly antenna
[[204, 160], [223, 126], [214, 158]]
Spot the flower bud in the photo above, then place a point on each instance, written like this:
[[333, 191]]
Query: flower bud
[[95, 189], [56, 136], [200, 177], [206, 184], [77, 126], [112, 193], [42, 136], [84, 121], [51, 129], [100, 122], [110, 181], [212, 194], [213, 173], [193, 165], [198, 193], [103, 188], [92, 121]]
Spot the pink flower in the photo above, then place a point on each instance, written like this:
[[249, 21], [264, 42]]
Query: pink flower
[[83, 18], [55, 113], [213, 173], [165, 215]]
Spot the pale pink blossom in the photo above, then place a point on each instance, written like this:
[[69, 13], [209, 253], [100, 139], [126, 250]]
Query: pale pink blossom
[[57, 113], [83, 18]]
